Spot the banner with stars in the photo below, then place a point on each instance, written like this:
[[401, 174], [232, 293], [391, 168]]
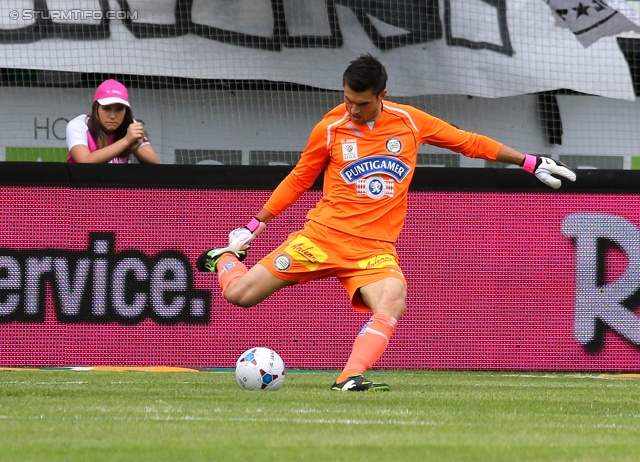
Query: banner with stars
[[590, 20]]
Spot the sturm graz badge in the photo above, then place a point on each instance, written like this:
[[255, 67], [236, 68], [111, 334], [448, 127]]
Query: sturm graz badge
[[394, 145], [375, 187], [282, 262]]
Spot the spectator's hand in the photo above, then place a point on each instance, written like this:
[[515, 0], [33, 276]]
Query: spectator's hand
[[135, 135], [240, 238], [544, 168]]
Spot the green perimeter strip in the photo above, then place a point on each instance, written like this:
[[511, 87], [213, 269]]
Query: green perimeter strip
[[26, 154], [635, 163]]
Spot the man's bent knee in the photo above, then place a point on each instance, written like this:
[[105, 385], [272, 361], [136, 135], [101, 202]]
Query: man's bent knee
[[386, 296], [253, 287]]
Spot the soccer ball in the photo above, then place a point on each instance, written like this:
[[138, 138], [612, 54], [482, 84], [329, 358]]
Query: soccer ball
[[260, 368]]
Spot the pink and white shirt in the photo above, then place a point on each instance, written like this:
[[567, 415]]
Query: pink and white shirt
[[78, 133]]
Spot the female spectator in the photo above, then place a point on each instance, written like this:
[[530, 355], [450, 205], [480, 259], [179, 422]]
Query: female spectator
[[110, 133]]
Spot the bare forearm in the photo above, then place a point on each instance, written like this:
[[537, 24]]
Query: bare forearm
[[510, 156], [146, 155], [264, 216], [81, 153]]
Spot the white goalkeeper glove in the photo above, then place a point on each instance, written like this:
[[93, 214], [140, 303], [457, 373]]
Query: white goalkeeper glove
[[543, 168], [240, 238]]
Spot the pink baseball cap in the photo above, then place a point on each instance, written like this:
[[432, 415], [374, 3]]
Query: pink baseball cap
[[111, 92]]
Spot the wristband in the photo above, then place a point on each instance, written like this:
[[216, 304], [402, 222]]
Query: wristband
[[530, 163], [253, 224]]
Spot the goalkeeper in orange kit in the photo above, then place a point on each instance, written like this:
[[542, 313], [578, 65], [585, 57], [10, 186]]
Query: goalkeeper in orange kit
[[367, 148]]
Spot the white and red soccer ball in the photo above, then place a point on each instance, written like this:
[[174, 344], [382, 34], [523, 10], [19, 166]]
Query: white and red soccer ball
[[260, 368]]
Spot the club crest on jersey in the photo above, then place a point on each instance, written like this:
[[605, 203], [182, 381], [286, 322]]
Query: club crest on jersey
[[349, 151], [375, 165], [375, 187], [393, 146]]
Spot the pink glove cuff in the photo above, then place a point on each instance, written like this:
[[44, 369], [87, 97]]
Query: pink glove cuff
[[529, 163], [253, 224]]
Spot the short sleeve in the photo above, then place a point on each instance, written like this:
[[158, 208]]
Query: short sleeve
[[77, 132]]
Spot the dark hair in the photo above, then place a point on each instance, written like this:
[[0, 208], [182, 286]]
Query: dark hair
[[365, 73], [99, 133]]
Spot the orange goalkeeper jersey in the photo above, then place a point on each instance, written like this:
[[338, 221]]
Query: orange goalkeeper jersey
[[367, 170]]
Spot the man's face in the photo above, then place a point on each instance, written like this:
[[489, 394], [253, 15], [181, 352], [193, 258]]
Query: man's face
[[363, 107]]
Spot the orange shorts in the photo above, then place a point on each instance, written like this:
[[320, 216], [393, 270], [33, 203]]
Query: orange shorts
[[318, 252]]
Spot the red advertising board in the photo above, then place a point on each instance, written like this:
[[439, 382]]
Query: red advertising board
[[526, 281]]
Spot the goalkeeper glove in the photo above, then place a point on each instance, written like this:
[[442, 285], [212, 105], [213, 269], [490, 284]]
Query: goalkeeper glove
[[240, 238], [543, 168]]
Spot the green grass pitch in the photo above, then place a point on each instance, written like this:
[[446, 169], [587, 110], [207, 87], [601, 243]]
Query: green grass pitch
[[427, 416]]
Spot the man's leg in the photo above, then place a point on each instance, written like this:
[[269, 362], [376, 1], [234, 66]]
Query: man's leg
[[386, 299], [254, 286], [240, 286]]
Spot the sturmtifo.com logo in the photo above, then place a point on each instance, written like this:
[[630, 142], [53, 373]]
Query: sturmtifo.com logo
[[72, 15]]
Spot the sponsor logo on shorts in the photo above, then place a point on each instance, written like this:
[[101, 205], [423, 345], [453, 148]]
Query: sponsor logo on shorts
[[282, 262], [303, 250], [379, 261], [394, 145]]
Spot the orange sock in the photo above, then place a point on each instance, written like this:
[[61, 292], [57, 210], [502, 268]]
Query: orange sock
[[229, 268], [369, 345]]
